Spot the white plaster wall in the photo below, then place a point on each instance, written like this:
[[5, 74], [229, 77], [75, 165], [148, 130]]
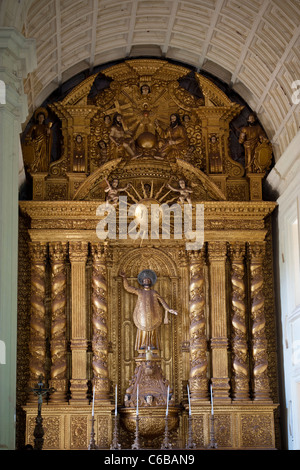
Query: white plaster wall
[[285, 178]]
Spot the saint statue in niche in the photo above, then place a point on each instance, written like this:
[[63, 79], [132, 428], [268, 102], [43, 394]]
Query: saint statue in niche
[[40, 136], [79, 154], [147, 315], [215, 160], [251, 137]]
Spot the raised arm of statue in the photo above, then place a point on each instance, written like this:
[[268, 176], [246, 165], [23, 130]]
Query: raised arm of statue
[[131, 289]]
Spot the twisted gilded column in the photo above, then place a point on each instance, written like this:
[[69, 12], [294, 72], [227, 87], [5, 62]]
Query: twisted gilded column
[[58, 342], [217, 252], [198, 342], [261, 390], [78, 255], [37, 341], [240, 356], [99, 322]]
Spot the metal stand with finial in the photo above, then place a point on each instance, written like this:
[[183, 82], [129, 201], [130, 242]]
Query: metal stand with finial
[[92, 444], [39, 430], [190, 444], [136, 443], [213, 443], [115, 444], [166, 444]]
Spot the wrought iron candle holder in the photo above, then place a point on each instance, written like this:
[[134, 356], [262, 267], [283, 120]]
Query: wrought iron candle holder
[[213, 443], [190, 444], [166, 444], [136, 443], [115, 443], [92, 444]]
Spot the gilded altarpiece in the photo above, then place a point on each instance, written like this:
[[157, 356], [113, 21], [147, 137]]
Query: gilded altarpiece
[[145, 136]]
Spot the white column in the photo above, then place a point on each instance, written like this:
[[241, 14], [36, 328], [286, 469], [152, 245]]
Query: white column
[[17, 59]]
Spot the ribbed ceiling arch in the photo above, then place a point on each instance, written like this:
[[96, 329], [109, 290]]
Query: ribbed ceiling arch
[[252, 45]]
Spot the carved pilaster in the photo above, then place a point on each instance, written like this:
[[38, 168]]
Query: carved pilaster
[[239, 346], [37, 341], [58, 344], [78, 255], [261, 390], [99, 322], [217, 252], [198, 342]]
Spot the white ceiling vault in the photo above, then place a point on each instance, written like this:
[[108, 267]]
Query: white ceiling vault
[[252, 45]]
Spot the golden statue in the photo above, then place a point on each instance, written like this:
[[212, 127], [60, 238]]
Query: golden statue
[[113, 191], [121, 138], [215, 160], [250, 137], [40, 137], [174, 139], [147, 315], [184, 192], [79, 154]]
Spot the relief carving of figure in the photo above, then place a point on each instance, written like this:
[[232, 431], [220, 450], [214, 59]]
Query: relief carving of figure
[[121, 138], [174, 139], [147, 315], [184, 192], [215, 160], [113, 191], [79, 154], [40, 136]]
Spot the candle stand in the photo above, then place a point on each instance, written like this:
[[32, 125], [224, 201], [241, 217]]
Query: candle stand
[[190, 444], [115, 444], [92, 444], [213, 443], [136, 443], [166, 444]]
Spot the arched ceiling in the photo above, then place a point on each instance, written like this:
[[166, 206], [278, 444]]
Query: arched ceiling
[[252, 45]]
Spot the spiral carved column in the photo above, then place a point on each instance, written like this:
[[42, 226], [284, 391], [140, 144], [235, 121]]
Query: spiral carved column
[[217, 252], [37, 341], [58, 344], [240, 356], [198, 342], [99, 322], [78, 256], [261, 390]]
